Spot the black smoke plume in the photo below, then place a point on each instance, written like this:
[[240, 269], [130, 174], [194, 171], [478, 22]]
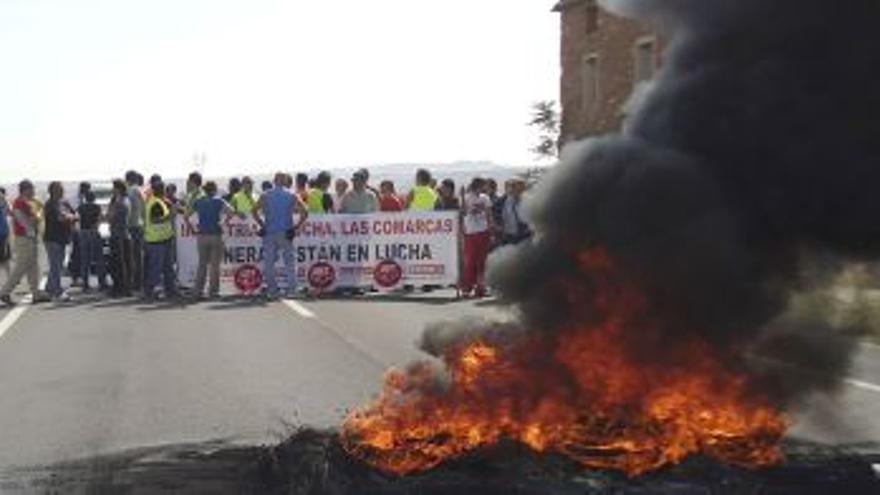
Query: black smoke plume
[[756, 148]]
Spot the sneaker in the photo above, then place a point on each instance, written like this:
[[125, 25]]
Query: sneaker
[[63, 297], [40, 298], [7, 300]]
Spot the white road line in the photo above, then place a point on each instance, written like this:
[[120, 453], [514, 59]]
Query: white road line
[[11, 317], [873, 387], [18, 311], [298, 308]]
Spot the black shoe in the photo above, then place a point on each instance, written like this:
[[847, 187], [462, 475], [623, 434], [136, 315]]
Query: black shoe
[[41, 298], [7, 300]]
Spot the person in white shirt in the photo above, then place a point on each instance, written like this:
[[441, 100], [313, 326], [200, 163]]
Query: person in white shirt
[[513, 228], [477, 226]]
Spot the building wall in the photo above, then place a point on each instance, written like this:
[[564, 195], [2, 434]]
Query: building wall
[[613, 43]]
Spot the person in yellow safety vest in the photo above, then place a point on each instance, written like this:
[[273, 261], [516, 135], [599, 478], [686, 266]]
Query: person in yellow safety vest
[[244, 201], [423, 197], [318, 199], [158, 236]]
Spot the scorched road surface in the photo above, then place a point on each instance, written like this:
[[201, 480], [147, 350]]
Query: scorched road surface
[[98, 377]]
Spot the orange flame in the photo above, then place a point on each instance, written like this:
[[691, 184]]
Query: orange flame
[[580, 392]]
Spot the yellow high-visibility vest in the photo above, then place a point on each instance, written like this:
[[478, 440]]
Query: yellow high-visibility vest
[[158, 231], [243, 202], [424, 198], [316, 201]]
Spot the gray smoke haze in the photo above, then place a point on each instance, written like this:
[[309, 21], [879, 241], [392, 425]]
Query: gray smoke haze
[[759, 142]]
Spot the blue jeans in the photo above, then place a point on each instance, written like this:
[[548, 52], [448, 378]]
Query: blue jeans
[[272, 243], [91, 250], [160, 265], [55, 251]]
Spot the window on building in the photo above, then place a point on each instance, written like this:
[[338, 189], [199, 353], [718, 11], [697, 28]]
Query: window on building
[[645, 60], [592, 16], [590, 81]]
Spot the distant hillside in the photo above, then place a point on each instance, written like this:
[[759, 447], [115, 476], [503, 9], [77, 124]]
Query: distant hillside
[[401, 173]]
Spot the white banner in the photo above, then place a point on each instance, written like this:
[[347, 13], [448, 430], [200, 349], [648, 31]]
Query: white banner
[[380, 250]]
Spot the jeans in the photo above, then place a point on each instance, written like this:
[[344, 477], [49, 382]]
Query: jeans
[[137, 257], [120, 264], [160, 265], [272, 243], [55, 251], [91, 250], [74, 265], [210, 248]]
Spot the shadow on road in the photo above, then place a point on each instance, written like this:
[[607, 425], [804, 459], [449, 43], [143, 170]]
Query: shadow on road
[[235, 302], [314, 461], [391, 298]]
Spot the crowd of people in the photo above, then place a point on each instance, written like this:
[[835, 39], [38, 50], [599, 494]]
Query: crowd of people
[[142, 215]]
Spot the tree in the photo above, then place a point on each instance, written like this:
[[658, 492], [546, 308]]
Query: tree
[[545, 118]]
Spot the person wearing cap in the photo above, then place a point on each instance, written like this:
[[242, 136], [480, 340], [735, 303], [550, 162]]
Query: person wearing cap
[[274, 214], [359, 199], [25, 226], [244, 201]]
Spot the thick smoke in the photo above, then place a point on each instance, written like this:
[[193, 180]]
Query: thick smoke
[[759, 141]]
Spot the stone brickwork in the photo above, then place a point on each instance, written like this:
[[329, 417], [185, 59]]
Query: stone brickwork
[[612, 41]]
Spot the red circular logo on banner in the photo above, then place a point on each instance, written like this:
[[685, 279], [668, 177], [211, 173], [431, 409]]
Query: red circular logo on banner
[[388, 273], [248, 278], [321, 275]]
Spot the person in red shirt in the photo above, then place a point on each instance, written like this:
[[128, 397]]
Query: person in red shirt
[[25, 225], [388, 198]]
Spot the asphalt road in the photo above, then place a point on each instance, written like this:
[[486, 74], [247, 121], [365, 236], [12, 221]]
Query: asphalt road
[[99, 376]]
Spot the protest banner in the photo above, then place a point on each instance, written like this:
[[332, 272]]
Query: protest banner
[[380, 250]]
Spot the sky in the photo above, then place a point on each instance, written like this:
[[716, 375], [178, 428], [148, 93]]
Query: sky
[[93, 87]]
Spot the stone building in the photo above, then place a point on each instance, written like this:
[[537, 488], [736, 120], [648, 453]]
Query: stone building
[[606, 63]]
